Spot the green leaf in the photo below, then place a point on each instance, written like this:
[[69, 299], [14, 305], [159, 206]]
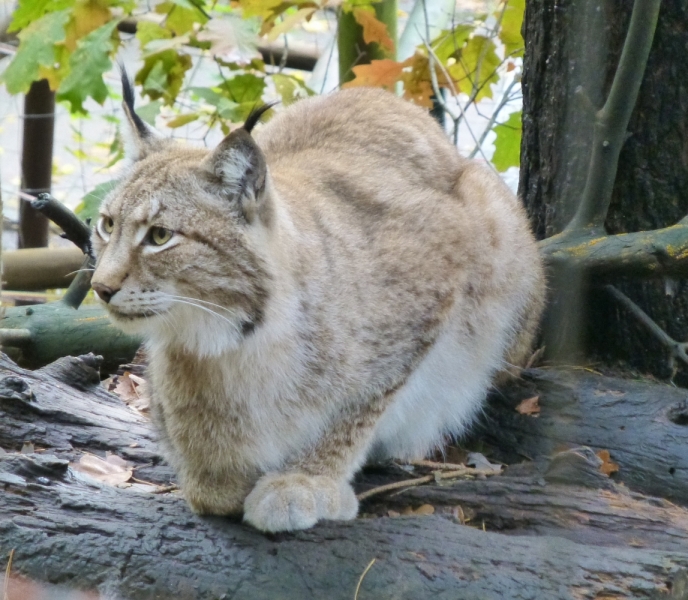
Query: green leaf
[[149, 111], [449, 43], [510, 28], [476, 68], [182, 120], [29, 11], [147, 32], [508, 143], [244, 88], [36, 49], [226, 109], [181, 15], [90, 203], [87, 64], [290, 88], [162, 75]]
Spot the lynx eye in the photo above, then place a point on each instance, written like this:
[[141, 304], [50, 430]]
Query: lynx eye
[[159, 236], [105, 226]]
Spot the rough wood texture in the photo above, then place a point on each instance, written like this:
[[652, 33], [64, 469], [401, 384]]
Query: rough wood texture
[[572, 532], [643, 425], [145, 546], [572, 51]]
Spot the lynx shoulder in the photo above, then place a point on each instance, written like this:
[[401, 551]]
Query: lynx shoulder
[[338, 285]]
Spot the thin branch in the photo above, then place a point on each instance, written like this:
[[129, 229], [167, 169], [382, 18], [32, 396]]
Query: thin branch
[[440, 99], [436, 476], [76, 231], [612, 120], [493, 118], [677, 349]]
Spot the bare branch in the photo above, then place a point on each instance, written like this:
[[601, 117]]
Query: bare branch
[[612, 120], [677, 349]]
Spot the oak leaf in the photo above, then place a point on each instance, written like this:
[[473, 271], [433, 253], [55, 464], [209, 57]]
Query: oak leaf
[[379, 73], [374, 30]]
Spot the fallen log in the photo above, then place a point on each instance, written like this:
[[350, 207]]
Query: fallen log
[[642, 424], [588, 540], [40, 268], [38, 335]]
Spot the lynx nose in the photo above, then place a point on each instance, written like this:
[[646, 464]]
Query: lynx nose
[[106, 293]]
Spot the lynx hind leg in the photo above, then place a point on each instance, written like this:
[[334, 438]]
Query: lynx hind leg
[[290, 501]]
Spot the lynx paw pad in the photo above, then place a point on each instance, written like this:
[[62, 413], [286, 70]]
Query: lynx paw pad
[[286, 502]]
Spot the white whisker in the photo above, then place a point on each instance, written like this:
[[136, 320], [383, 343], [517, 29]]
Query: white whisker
[[212, 312], [201, 301], [79, 271]]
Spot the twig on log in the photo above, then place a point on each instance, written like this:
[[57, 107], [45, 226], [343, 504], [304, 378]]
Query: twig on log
[[676, 349], [8, 571], [431, 464], [437, 475], [360, 580]]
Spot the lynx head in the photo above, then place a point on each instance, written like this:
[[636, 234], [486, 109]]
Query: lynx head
[[178, 241]]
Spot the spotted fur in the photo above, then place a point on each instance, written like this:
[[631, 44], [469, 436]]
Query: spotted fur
[[339, 285]]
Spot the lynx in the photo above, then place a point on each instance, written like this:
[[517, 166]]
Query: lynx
[[338, 286]]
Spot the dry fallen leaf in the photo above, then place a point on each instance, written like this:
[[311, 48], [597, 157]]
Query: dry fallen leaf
[[131, 388], [113, 470], [608, 466], [425, 509], [529, 406]]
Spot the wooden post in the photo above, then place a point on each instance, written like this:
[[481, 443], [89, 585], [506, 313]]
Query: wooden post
[[36, 161]]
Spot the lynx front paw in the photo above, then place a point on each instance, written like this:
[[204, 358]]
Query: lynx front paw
[[290, 501], [210, 500]]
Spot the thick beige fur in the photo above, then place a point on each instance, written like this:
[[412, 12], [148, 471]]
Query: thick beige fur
[[341, 285]]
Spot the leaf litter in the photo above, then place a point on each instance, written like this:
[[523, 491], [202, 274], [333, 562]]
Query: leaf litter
[[132, 389]]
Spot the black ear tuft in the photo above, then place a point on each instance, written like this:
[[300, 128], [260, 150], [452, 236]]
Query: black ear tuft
[[128, 94], [256, 114]]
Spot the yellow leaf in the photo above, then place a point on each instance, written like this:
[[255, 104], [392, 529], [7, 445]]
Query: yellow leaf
[[87, 16], [373, 29], [379, 73], [259, 8], [608, 466], [290, 22], [417, 86]]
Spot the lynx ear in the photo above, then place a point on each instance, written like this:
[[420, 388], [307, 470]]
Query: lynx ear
[[139, 139], [239, 165]]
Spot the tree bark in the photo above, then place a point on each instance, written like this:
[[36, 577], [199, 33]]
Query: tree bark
[[644, 426], [548, 529], [572, 52]]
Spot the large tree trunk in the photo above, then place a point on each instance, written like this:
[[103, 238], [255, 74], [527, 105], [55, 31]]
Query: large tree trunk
[[572, 50], [551, 529]]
